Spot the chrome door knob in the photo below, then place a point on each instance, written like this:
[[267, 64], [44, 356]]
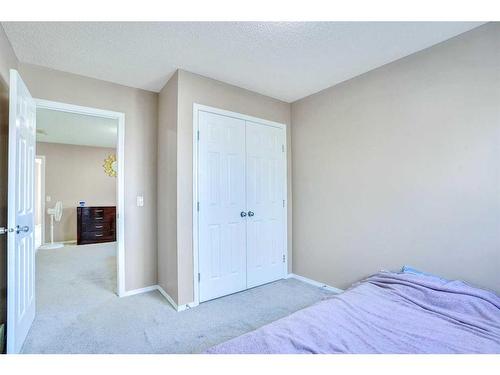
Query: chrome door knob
[[250, 213], [7, 230], [243, 214]]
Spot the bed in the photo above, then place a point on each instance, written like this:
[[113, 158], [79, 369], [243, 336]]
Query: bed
[[389, 312]]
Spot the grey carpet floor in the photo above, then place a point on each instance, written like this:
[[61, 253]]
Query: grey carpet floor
[[79, 312]]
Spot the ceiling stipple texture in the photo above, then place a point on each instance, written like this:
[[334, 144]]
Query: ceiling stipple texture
[[287, 61], [75, 129]]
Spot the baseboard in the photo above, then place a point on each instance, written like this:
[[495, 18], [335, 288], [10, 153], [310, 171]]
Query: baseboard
[[314, 282], [191, 305], [133, 292], [163, 293], [170, 299], [64, 242], [172, 302]]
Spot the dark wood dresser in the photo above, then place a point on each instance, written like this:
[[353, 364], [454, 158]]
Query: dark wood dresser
[[95, 224]]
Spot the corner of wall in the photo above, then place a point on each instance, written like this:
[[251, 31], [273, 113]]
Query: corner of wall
[[167, 267], [8, 58]]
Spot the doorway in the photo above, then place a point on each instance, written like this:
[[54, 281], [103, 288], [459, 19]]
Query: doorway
[[102, 145]]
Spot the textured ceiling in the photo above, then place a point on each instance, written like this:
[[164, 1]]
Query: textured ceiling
[[75, 129], [284, 60]]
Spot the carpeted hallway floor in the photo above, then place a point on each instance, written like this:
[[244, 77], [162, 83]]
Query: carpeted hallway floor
[[79, 312]]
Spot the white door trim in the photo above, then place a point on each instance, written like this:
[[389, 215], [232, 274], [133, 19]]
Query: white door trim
[[120, 151], [200, 107], [42, 195]]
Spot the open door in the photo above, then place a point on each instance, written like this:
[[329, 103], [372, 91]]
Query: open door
[[21, 195]]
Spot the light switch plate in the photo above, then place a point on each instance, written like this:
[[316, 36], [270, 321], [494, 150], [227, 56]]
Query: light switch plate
[[48, 198], [140, 201]]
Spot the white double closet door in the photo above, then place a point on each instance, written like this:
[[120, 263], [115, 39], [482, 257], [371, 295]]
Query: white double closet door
[[241, 194]]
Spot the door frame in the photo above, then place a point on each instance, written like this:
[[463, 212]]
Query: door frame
[[196, 109], [42, 194], [120, 183]]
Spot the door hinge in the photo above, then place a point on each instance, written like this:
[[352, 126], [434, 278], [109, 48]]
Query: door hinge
[[198, 135], [199, 277], [283, 203], [284, 258], [198, 206], [282, 148]]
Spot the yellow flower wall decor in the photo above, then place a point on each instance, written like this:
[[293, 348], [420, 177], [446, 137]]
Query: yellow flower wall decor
[[110, 165]]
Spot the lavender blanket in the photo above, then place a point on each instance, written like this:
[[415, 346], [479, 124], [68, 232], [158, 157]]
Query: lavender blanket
[[386, 313]]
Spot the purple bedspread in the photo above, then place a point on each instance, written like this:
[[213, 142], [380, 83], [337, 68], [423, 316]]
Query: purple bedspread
[[386, 313]]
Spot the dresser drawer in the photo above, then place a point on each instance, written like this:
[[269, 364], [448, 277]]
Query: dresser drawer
[[94, 237], [96, 215], [94, 211], [97, 227]]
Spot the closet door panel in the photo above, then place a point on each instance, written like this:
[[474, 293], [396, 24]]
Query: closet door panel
[[221, 195], [265, 194]]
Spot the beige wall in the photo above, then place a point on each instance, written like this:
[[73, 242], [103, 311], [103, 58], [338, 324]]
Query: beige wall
[[194, 88], [401, 166], [74, 173], [175, 173], [141, 120], [167, 188], [8, 61]]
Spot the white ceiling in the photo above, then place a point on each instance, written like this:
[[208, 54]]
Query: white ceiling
[[75, 129], [285, 60]]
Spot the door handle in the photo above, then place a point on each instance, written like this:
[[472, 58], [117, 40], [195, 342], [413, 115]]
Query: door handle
[[20, 229], [4, 230], [243, 214], [250, 213]]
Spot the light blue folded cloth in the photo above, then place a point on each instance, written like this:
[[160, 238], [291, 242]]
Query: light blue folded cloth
[[414, 271]]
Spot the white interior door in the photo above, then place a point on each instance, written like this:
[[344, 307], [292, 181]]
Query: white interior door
[[265, 175], [221, 196], [21, 194]]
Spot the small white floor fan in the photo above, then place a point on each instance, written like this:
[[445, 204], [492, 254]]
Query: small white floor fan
[[55, 214]]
